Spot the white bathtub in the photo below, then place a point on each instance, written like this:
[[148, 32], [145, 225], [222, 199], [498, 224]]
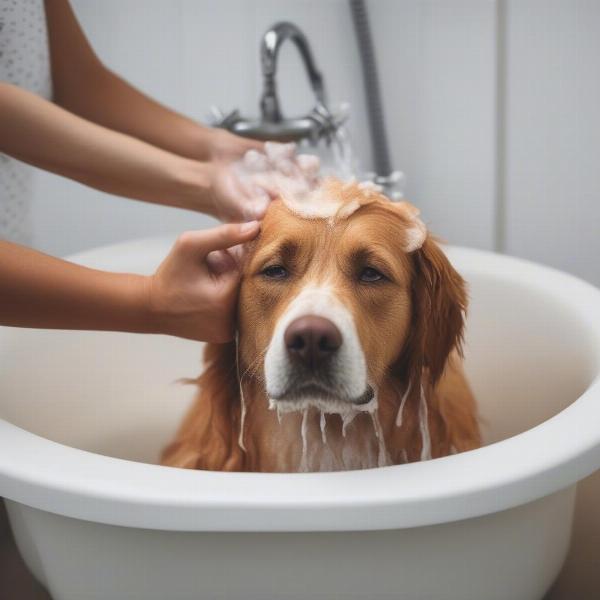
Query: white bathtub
[[83, 416]]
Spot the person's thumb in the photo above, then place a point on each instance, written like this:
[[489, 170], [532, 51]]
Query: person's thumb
[[200, 243]]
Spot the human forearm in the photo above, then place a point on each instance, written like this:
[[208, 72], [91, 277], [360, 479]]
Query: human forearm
[[113, 103], [205, 179], [40, 133], [192, 294], [37, 290], [84, 86], [102, 97]]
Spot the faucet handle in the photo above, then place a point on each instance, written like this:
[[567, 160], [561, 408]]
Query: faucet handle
[[217, 118], [328, 121]]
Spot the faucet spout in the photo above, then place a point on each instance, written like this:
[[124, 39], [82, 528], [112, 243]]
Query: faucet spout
[[269, 52], [318, 124]]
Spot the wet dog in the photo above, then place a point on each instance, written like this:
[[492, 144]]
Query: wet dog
[[348, 352]]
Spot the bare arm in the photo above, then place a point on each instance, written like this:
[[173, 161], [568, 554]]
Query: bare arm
[[40, 133], [84, 86], [84, 147], [189, 295], [51, 137], [41, 291], [45, 135]]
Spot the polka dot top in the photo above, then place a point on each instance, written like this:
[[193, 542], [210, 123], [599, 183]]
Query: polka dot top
[[24, 61]]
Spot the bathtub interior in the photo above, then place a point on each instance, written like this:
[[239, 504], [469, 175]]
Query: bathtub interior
[[527, 357]]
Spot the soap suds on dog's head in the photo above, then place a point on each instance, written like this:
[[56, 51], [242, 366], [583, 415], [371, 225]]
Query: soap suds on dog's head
[[335, 200], [330, 198], [297, 181], [276, 169]]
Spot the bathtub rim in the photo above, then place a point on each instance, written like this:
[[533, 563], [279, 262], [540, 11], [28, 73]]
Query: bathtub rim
[[80, 484]]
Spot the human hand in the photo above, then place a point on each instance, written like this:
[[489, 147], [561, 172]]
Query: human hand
[[245, 175], [224, 146], [194, 291]]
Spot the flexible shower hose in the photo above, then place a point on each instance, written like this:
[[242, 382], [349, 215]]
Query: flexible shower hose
[[381, 154]]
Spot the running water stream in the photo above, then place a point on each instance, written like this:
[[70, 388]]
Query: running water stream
[[338, 158]]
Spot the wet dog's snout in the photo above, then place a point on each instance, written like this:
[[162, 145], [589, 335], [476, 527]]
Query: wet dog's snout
[[312, 340]]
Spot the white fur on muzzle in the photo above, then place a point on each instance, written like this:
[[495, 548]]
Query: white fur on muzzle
[[347, 370]]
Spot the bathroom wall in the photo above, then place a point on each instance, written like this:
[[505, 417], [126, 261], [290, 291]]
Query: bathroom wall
[[491, 110], [439, 86], [492, 107], [552, 169]]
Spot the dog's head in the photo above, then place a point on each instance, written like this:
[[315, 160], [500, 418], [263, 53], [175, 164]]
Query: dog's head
[[342, 291], [344, 296]]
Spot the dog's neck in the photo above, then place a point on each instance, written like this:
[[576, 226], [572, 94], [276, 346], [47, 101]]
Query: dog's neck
[[310, 441]]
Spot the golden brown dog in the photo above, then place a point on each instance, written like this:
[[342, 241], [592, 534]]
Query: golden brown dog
[[348, 354]]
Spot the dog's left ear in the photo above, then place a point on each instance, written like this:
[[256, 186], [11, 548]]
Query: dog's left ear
[[439, 301], [414, 230]]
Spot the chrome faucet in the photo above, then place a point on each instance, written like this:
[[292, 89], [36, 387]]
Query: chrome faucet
[[318, 124]]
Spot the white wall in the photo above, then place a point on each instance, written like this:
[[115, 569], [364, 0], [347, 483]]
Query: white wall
[[553, 133], [437, 61], [491, 110]]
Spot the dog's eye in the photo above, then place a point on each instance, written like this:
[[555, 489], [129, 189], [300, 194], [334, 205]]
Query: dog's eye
[[370, 275], [275, 272]]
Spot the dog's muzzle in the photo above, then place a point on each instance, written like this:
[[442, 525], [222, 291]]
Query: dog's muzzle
[[315, 357]]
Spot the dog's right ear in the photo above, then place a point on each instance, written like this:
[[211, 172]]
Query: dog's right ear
[[208, 436]]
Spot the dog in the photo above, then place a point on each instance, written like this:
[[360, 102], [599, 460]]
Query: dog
[[348, 353]]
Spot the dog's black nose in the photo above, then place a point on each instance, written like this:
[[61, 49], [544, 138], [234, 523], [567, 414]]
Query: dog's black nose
[[311, 340]]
